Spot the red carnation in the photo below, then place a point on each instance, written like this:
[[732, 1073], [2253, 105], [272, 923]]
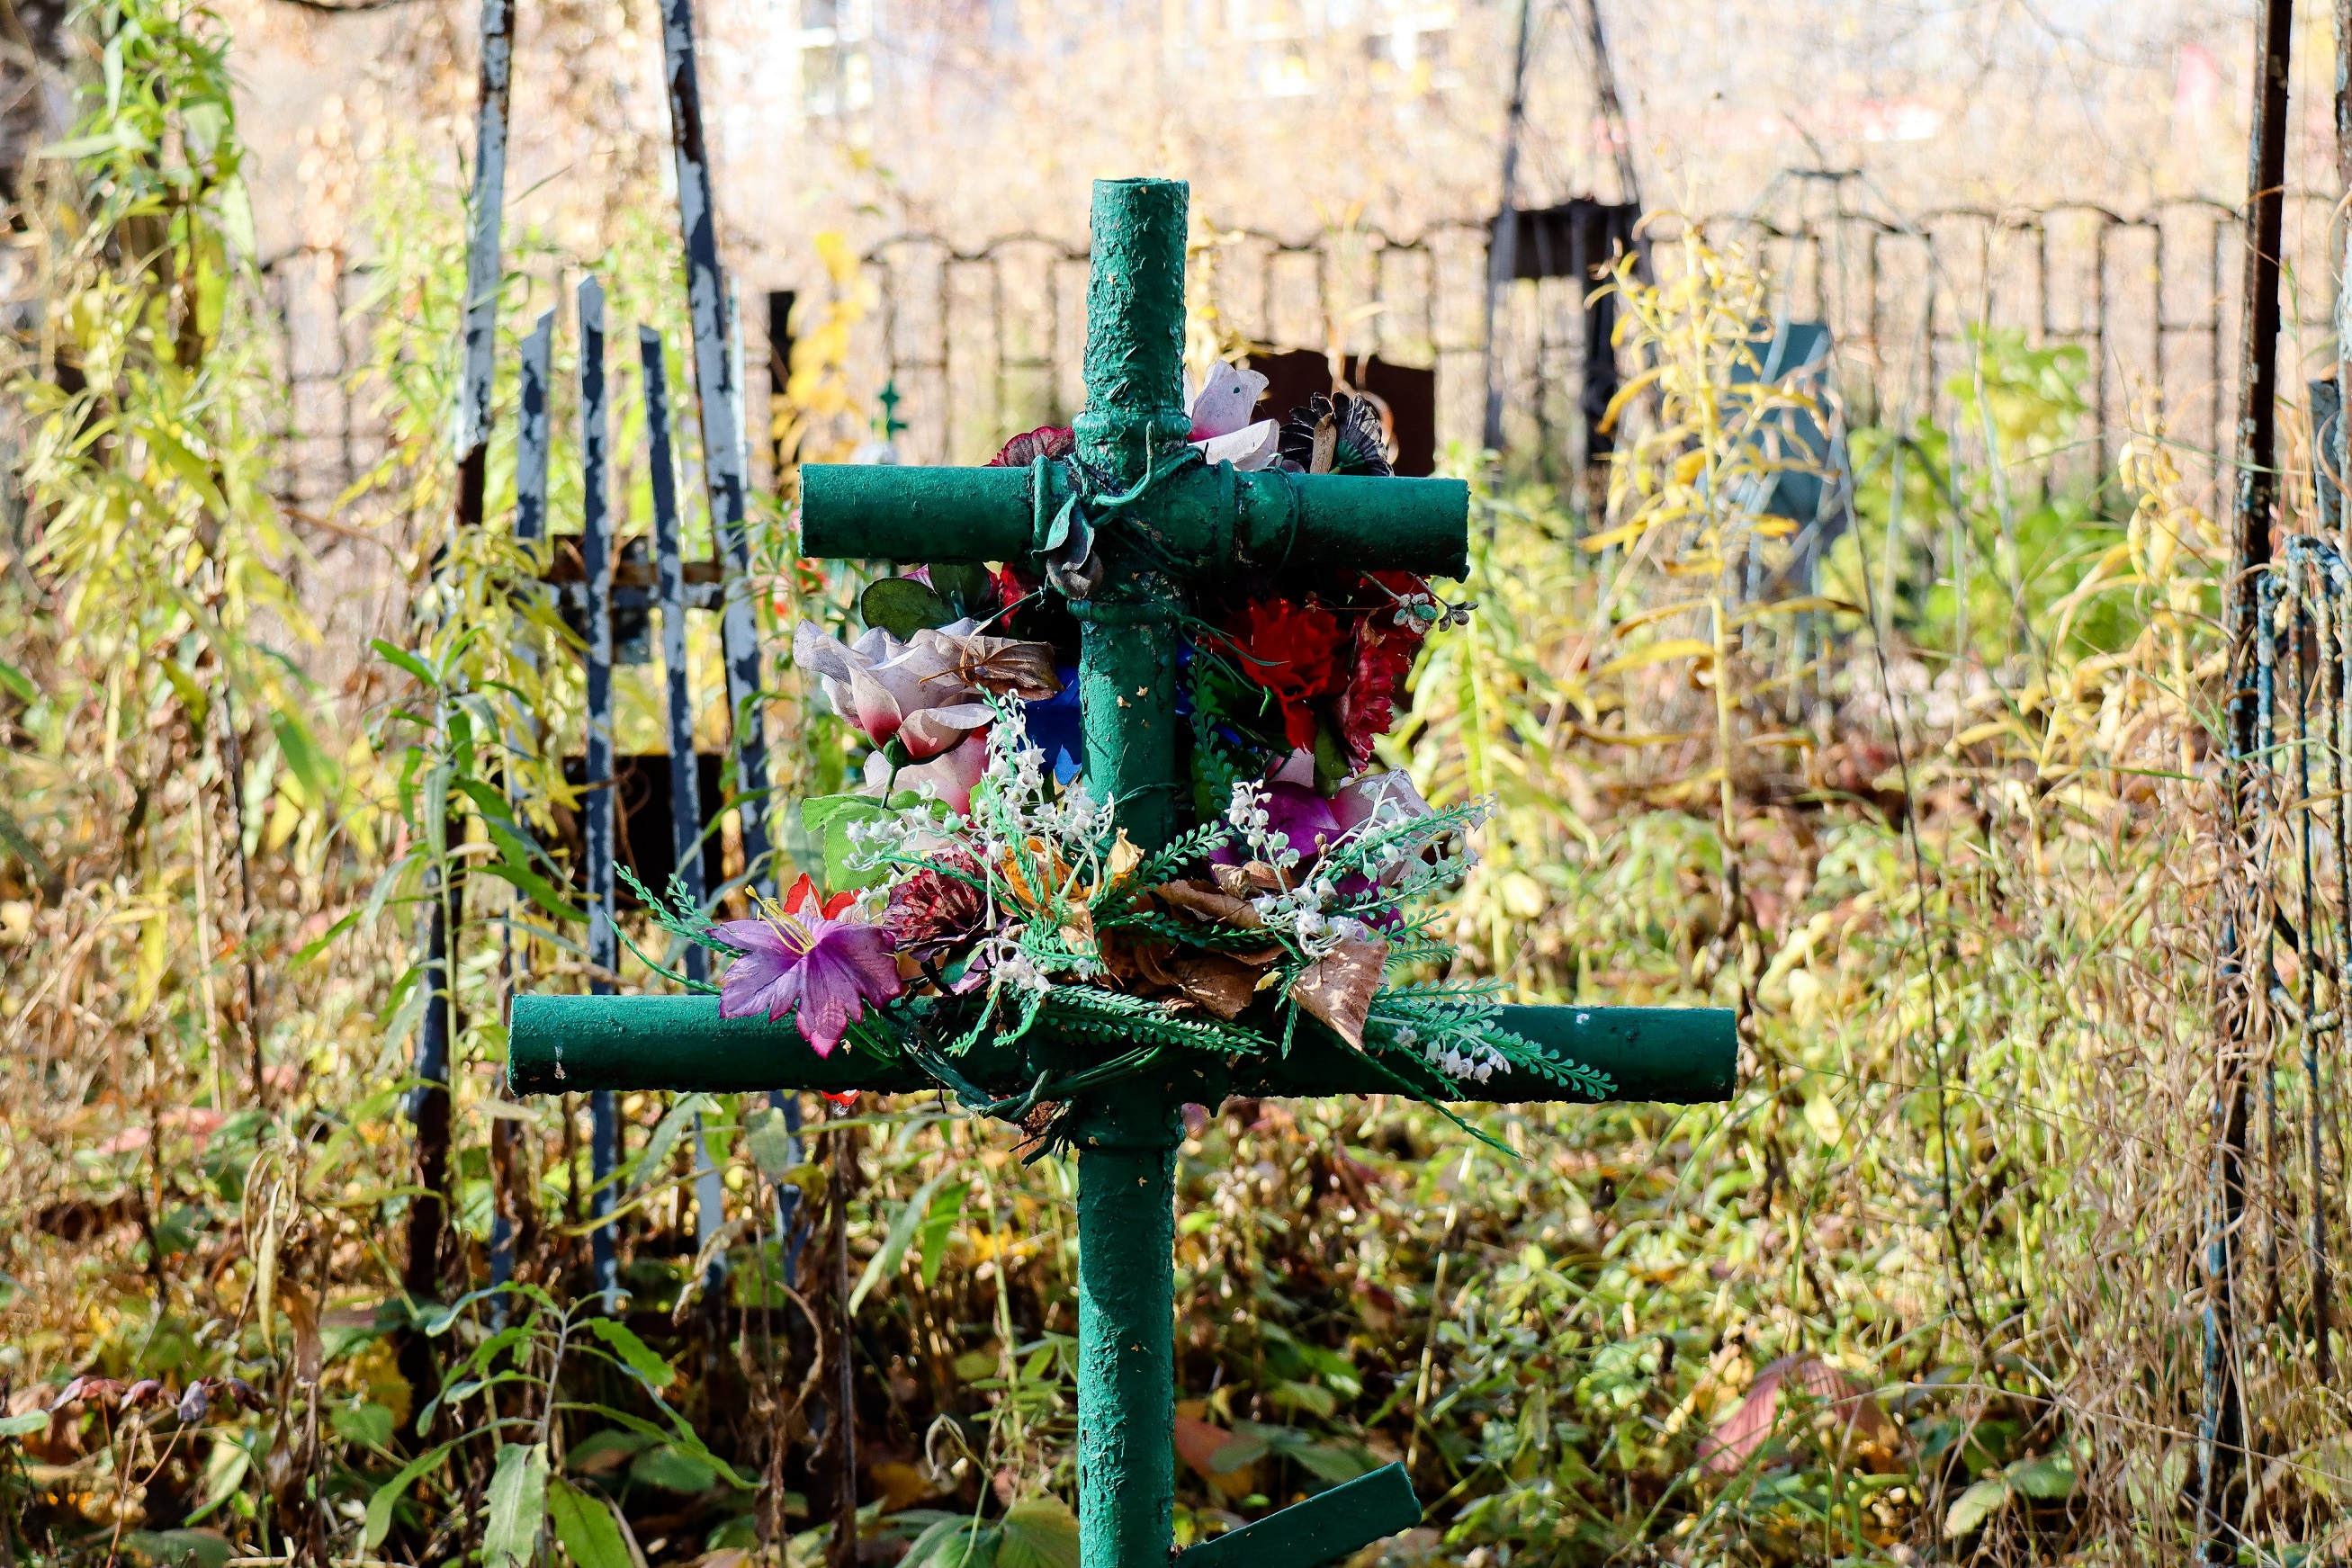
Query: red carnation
[[1292, 650], [1375, 688], [1045, 441], [932, 912]]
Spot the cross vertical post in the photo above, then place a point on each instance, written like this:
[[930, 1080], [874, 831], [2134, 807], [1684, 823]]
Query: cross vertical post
[[1128, 650]]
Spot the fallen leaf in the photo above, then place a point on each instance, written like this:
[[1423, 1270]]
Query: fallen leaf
[[903, 1486], [1729, 1446], [1197, 1441]]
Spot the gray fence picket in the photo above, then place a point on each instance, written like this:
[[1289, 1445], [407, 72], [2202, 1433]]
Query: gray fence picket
[[529, 527], [596, 798], [719, 398], [685, 775]]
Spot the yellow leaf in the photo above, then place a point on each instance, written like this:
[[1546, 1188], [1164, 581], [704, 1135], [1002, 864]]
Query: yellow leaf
[[1655, 612], [1659, 653], [1623, 533], [1794, 606], [833, 250], [1977, 732]]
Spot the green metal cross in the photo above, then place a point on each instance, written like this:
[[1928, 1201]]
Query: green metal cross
[[1199, 522]]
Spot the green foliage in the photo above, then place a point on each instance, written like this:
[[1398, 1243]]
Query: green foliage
[[1958, 1190]]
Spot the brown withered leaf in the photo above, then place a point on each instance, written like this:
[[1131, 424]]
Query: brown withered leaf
[[1135, 961], [1000, 664], [1123, 860], [1214, 905], [1220, 984], [1338, 987]]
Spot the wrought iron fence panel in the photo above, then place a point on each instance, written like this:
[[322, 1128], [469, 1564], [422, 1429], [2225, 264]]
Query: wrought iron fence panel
[[979, 342]]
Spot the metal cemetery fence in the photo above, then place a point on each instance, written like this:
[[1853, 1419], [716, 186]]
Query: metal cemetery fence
[[981, 342], [2278, 1152]]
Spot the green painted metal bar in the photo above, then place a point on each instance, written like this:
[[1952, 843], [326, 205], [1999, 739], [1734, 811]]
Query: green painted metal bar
[[1325, 1527], [1127, 1135], [1209, 516], [1681, 1056]]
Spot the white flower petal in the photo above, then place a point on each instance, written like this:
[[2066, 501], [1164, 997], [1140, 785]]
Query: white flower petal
[[1223, 404], [1258, 446]]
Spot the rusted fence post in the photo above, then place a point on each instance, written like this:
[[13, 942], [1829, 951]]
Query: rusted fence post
[[2221, 1446]]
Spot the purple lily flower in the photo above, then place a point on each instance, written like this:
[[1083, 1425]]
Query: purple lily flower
[[825, 970], [1308, 822]]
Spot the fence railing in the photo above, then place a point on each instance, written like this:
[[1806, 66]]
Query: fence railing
[[978, 343]]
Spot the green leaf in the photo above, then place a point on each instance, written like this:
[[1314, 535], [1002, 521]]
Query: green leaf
[[639, 1355], [967, 589], [310, 950], [1331, 1463], [535, 887], [205, 1548], [518, 1505], [584, 1524], [303, 756], [89, 146], [672, 1470], [191, 696], [680, 1434], [1039, 1533], [937, 1223], [601, 1451], [16, 683], [1976, 1505], [369, 1425], [902, 607], [2049, 1477], [772, 1145], [827, 818], [31, 1421], [236, 217], [379, 1507], [406, 661], [952, 1543], [225, 1470], [1294, 1394], [885, 1263], [14, 840], [667, 1133]]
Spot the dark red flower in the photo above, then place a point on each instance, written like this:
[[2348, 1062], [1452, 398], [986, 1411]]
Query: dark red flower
[[1294, 652], [1045, 441], [1375, 689], [932, 912]]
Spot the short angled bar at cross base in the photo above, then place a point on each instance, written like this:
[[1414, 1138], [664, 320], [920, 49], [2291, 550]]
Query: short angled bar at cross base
[[569, 1045], [1164, 520], [1325, 1527]]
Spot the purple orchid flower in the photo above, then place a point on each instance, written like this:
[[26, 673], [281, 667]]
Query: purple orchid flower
[[824, 969]]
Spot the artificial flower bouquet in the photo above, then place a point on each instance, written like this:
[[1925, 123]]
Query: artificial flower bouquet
[[983, 900]]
